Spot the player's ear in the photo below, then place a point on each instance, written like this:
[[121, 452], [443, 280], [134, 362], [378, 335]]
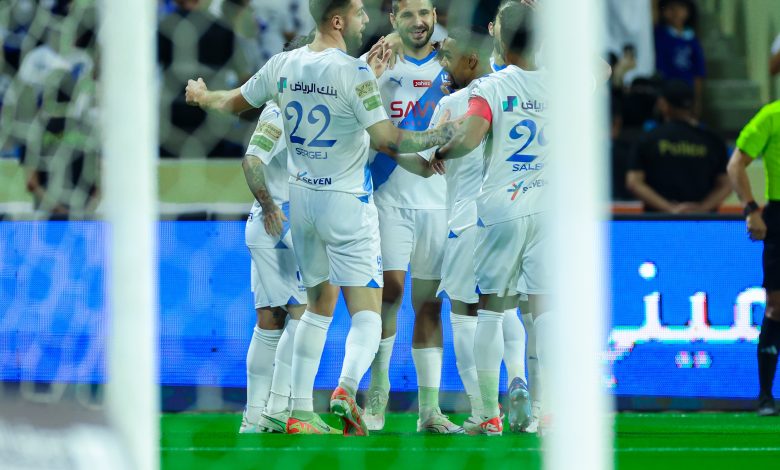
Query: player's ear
[[337, 22], [434, 15], [490, 29], [393, 21], [473, 61]]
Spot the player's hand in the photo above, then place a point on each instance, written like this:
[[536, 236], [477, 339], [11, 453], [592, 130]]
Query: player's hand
[[446, 85], [273, 220], [530, 3], [379, 57], [394, 43], [687, 208], [437, 166], [194, 90], [755, 226]]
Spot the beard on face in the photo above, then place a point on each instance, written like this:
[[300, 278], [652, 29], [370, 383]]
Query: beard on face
[[353, 38], [417, 37]]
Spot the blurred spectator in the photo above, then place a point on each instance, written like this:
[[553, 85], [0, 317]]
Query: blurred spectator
[[630, 37], [679, 167], [678, 53], [774, 61], [620, 150], [279, 22], [62, 158], [66, 46], [194, 43], [638, 108]]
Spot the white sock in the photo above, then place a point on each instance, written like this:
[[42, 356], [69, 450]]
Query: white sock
[[307, 351], [544, 326], [260, 370], [427, 363], [463, 329], [280, 387], [380, 368], [362, 344], [514, 345], [488, 350], [532, 361]]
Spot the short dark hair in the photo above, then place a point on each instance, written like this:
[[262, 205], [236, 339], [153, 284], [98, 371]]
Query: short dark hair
[[323, 10], [472, 40], [515, 22], [396, 4], [678, 93], [299, 41]]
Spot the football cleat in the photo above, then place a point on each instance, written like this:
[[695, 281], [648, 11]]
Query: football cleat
[[249, 428], [436, 422], [766, 407], [311, 425], [343, 405], [492, 426], [274, 422], [520, 415], [536, 411], [471, 426], [375, 411]]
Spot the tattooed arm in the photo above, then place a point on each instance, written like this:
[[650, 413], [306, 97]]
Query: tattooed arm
[[387, 138], [254, 172]]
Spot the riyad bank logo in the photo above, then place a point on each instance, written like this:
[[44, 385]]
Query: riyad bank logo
[[282, 85], [510, 103]]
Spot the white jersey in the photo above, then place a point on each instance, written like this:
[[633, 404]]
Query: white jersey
[[410, 93], [269, 145], [327, 100], [516, 151], [464, 175]]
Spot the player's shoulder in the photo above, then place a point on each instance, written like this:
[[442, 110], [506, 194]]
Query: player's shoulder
[[271, 112], [770, 110], [455, 99]]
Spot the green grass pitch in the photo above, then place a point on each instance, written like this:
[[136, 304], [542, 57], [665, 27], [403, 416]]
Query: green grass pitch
[[664, 441]]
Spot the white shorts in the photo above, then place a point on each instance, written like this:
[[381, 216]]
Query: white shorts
[[336, 238], [413, 236], [458, 279], [511, 257], [275, 277]]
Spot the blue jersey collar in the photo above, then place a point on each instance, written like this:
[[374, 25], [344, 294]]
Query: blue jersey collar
[[422, 61]]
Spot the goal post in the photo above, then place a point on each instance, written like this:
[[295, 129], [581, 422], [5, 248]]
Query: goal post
[[581, 433], [129, 106]]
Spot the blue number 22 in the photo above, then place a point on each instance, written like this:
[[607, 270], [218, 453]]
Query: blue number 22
[[316, 141]]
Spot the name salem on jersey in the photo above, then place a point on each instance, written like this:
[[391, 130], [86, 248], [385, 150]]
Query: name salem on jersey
[[527, 166], [401, 109]]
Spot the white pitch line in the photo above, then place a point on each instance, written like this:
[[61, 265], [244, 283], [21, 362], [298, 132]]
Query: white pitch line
[[462, 449]]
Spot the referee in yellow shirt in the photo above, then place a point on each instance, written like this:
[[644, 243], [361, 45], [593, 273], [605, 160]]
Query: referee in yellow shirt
[[761, 138]]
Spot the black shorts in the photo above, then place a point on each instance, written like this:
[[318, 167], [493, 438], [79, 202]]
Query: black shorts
[[771, 257]]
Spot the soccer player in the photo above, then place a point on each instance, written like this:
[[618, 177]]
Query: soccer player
[[329, 100], [761, 137], [510, 108], [274, 276], [497, 63], [466, 58], [412, 221]]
